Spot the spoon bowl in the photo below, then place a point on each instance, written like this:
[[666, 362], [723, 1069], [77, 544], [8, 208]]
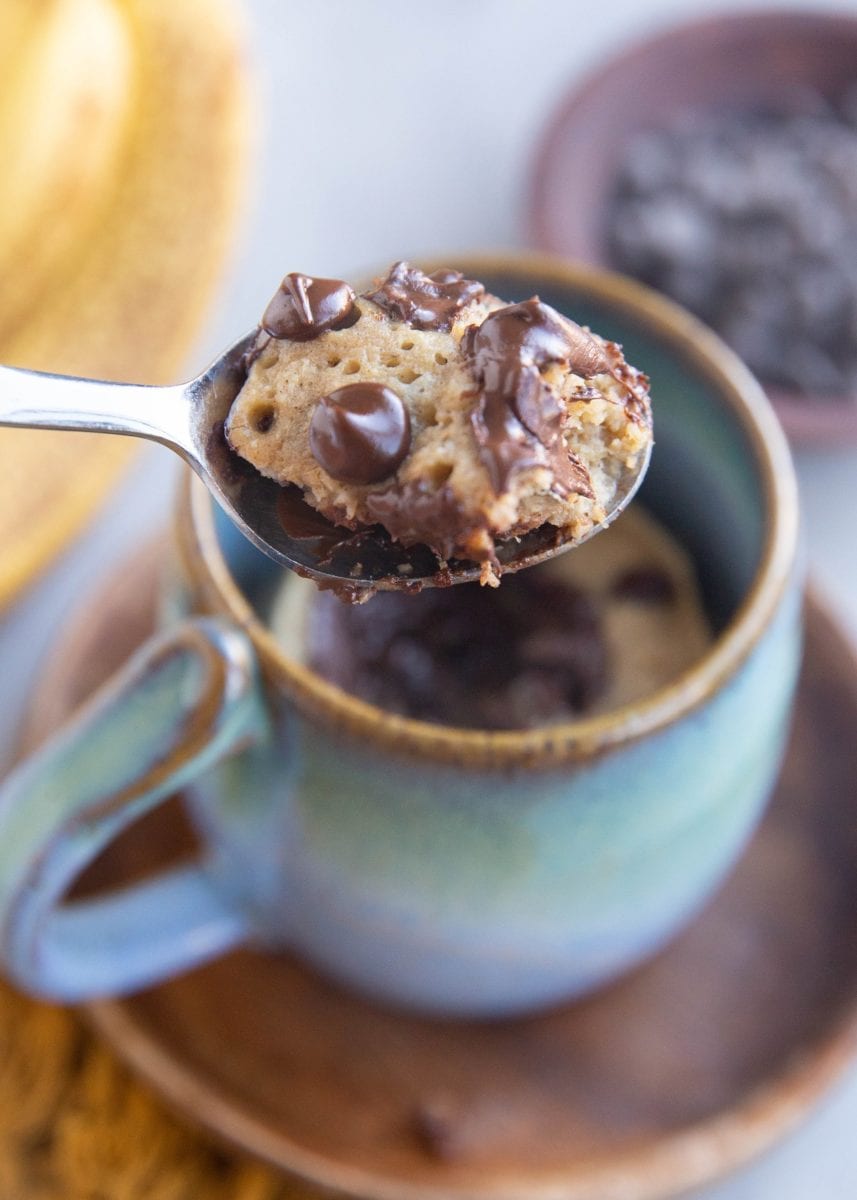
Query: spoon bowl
[[190, 420]]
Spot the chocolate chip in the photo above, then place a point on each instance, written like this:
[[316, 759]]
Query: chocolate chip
[[304, 307], [747, 218], [518, 420], [531, 653], [360, 433], [645, 585]]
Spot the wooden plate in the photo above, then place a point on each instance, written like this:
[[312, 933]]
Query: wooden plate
[[681, 1071]]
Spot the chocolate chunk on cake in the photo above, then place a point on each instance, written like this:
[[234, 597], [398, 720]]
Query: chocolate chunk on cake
[[576, 637], [434, 409]]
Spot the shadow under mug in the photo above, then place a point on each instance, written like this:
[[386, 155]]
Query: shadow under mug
[[450, 870]]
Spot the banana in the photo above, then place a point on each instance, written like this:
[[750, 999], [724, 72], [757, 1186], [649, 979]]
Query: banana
[[51, 484], [18, 19], [125, 298], [64, 110], [137, 293]]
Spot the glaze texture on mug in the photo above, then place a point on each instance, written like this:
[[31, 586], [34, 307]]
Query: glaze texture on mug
[[452, 870], [475, 892]]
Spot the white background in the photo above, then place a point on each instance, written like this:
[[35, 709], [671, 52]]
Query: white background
[[395, 130]]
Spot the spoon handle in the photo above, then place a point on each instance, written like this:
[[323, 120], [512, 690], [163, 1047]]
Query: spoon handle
[[36, 400]]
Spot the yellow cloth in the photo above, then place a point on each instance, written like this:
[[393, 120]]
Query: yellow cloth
[[75, 1125]]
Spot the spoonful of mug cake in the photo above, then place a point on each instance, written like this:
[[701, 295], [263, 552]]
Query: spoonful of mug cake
[[421, 433]]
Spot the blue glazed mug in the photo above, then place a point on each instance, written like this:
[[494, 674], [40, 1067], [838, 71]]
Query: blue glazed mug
[[449, 870]]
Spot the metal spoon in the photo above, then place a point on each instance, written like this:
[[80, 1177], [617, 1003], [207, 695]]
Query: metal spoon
[[189, 419]]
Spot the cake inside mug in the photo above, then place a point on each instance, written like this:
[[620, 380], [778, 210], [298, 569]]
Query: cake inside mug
[[438, 411], [582, 635]]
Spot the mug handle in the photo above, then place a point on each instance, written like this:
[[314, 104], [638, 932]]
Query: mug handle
[[185, 700]]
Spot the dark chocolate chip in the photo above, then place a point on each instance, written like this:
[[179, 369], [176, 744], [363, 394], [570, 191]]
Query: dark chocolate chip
[[746, 217], [304, 307], [530, 653], [360, 433], [645, 585]]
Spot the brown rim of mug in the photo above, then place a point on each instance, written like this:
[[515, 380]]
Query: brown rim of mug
[[574, 741]]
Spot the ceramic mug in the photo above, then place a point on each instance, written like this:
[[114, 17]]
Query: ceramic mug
[[449, 870]]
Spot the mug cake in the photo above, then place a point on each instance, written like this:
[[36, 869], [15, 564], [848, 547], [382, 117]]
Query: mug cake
[[432, 408]]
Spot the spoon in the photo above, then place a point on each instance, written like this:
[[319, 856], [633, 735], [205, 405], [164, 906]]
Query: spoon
[[189, 419]]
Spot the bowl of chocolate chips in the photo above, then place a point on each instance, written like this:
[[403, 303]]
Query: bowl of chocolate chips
[[717, 162]]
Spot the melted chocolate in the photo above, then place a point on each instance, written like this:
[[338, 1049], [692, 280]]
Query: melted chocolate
[[305, 524], [425, 301], [518, 419], [305, 307], [529, 653], [407, 511], [360, 433], [645, 585], [261, 340], [352, 550], [231, 468]]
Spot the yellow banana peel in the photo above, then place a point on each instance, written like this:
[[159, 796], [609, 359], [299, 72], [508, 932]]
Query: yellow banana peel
[[61, 125], [134, 297], [116, 230]]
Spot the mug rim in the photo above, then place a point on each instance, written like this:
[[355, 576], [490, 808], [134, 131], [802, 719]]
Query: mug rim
[[588, 737]]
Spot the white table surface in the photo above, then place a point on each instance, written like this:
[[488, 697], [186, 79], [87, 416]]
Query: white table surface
[[395, 130]]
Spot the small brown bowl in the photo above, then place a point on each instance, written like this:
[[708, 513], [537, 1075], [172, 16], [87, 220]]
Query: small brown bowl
[[741, 60]]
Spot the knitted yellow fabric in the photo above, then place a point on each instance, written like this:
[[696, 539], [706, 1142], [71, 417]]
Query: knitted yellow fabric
[[75, 1125]]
